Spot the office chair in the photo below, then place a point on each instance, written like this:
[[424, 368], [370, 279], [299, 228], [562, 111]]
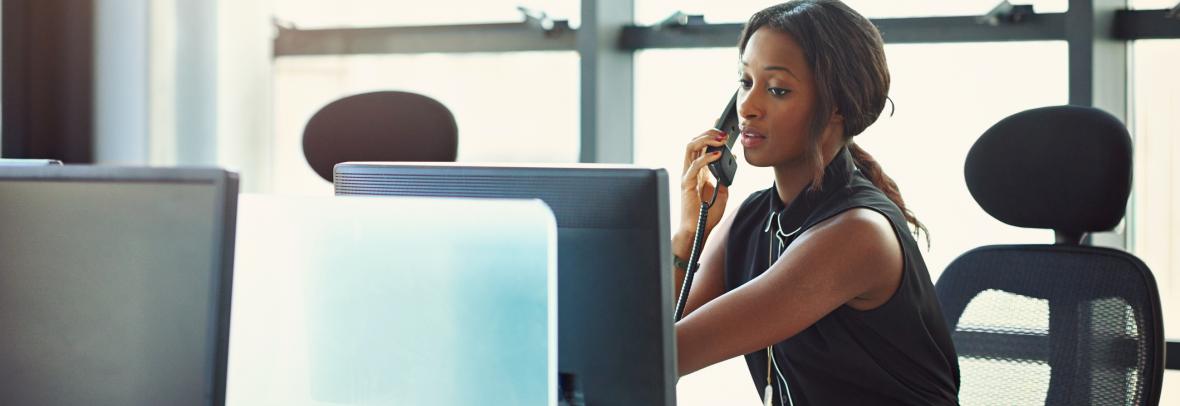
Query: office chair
[[1059, 324], [379, 126]]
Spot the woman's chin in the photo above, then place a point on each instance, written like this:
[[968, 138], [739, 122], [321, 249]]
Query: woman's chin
[[757, 161]]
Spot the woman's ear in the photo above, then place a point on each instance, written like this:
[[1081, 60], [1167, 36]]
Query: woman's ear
[[836, 118], [834, 133], [836, 124]]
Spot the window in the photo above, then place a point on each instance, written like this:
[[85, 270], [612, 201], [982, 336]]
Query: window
[[509, 107], [513, 107], [1155, 219], [1152, 4], [1156, 230], [371, 13], [652, 11], [946, 95]]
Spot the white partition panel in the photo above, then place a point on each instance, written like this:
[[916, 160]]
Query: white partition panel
[[393, 301]]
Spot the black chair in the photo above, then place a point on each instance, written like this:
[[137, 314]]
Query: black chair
[[1060, 324], [380, 126]]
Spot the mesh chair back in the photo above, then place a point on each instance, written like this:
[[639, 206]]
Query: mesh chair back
[[1054, 325]]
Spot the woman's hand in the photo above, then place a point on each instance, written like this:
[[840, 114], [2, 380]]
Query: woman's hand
[[695, 187]]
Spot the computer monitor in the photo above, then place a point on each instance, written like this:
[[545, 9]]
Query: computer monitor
[[615, 332], [115, 285], [28, 162]]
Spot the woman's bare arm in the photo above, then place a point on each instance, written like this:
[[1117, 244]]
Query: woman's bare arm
[[853, 258]]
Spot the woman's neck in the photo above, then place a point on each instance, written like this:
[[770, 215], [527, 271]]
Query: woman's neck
[[791, 178]]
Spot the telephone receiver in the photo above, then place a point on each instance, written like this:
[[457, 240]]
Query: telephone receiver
[[724, 169]]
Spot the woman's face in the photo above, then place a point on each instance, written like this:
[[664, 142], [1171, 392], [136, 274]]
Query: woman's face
[[776, 99]]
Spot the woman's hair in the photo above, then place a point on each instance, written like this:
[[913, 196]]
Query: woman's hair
[[847, 60]]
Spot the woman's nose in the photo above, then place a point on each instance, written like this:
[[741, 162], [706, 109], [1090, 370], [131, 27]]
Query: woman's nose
[[748, 106]]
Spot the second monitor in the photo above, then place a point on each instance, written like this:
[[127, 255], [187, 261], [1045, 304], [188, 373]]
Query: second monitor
[[115, 284], [615, 333]]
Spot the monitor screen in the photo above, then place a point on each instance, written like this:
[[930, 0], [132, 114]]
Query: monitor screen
[[114, 285], [614, 285]]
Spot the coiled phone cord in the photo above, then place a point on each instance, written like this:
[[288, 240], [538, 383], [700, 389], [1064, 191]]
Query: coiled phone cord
[[695, 254]]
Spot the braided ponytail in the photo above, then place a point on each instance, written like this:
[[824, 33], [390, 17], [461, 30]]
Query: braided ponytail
[[869, 166]]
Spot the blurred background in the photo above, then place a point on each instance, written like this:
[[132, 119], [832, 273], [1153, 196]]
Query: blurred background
[[233, 83]]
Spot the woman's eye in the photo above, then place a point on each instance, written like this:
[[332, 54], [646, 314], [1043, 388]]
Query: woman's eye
[[778, 91], [745, 83]]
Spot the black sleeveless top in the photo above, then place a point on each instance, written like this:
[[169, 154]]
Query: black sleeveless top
[[898, 353]]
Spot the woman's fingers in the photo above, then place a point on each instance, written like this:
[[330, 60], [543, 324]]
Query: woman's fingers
[[695, 174], [703, 176], [695, 177], [694, 149]]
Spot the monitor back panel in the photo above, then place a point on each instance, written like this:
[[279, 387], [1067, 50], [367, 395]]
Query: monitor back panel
[[114, 286]]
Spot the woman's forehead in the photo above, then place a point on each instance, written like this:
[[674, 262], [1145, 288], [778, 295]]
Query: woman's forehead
[[769, 48]]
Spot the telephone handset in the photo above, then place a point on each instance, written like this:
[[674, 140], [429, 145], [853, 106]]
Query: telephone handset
[[724, 169]]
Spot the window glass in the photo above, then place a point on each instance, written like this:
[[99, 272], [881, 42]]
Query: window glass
[[652, 11], [1155, 224], [511, 107], [1152, 4], [369, 13], [1155, 199]]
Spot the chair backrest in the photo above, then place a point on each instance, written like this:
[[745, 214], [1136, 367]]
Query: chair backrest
[[1060, 324], [380, 126]]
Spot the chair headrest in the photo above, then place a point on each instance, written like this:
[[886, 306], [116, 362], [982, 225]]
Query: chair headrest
[[1065, 168], [379, 126]]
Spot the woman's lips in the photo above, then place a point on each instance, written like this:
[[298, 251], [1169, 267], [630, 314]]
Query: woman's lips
[[752, 139]]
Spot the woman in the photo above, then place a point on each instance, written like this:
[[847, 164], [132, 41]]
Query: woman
[[817, 280]]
